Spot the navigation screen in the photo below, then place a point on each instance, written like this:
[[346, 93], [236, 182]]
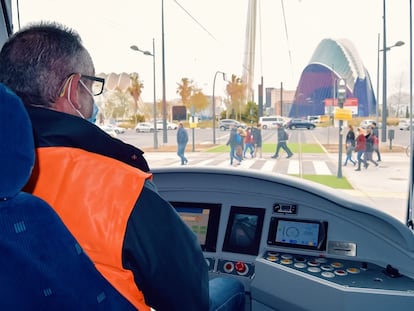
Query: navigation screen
[[300, 234], [203, 219], [197, 220], [244, 229]]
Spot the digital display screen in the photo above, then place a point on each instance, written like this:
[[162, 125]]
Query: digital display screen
[[301, 233], [244, 230], [306, 234], [203, 219]]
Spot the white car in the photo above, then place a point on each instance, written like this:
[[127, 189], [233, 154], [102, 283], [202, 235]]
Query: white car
[[365, 123], [144, 127], [117, 129], [170, 125], [108, 130]]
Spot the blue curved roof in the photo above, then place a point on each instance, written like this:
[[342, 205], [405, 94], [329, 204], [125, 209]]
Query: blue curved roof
[[333, 60]]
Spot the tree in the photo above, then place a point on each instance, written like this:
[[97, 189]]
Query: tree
[[185, 90], [116, 104], [236, 91], [135, 90], [191, 96], [199, 100]]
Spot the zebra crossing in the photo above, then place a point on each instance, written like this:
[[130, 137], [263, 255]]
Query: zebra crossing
[[305, 165]]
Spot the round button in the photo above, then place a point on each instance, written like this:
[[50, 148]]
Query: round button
[[353, 270], [328, 274], [336, 265], [228, 267], [241, 268], [313, 263], [271, 258], [300, 259], [287, 256], [286, 261], [300, 265], [314, 269], [321, 260], [340, 272], [275, 254], [326, 268]]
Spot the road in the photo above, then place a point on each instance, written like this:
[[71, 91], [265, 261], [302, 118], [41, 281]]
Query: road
[[322, 135]]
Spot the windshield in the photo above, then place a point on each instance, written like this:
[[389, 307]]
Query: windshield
[[245, 60]]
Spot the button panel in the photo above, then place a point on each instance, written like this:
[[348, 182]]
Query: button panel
[[340, 271]]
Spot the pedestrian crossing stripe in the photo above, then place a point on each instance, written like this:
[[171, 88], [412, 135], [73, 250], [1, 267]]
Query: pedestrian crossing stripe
[[282, 165]]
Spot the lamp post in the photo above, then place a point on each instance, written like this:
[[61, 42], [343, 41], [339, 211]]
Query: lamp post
[[214, 104], [384, 76], [384, 86], [341, 91], [148, 53], [164, 101]]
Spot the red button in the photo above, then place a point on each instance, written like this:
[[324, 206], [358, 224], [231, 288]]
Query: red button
[[240, 267]]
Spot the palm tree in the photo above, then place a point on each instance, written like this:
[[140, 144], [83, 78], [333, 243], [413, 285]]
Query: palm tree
[[185, 90], [135, 90]]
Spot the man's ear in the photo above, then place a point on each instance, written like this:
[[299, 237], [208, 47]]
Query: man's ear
[[69, 93], [70, 90]]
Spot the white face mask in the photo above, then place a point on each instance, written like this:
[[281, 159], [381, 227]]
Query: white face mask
[[95, 108]]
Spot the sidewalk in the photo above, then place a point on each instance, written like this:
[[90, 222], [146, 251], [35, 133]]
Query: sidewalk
[[369, 184]]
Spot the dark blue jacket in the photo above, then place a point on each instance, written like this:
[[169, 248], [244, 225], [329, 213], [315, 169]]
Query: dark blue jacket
[[159, 248]]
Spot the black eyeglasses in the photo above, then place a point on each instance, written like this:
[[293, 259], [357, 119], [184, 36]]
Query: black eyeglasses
[[97, 84]]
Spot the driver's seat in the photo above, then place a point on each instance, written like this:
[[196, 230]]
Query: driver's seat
[[42, 267]]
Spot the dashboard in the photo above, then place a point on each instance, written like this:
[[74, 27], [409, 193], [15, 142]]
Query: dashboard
[[294, 244]]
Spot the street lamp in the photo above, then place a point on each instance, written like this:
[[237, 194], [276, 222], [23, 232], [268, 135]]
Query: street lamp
[[164, 100], [148, 53], [384, 77], [214, 104]]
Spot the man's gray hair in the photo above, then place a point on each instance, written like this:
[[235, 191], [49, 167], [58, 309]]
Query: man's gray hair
[[36, 60]]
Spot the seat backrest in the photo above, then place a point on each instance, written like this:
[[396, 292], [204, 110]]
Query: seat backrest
[[42, 267]]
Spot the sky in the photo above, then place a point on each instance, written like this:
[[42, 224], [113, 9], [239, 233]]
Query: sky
[[202, 37]]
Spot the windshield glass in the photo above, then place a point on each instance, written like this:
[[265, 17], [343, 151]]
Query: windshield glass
[[242, 60]]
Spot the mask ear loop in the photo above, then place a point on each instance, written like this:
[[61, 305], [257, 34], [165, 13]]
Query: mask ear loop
[[67, 91]]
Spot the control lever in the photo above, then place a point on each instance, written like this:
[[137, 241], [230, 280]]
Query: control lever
[[391, 272]]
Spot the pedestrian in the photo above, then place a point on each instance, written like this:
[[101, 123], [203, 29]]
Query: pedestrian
[[47, 65], [376, 142], [350, 145], [360, 145], [369, 146], [232, 143], [182, 140], [282, 138], [240, 135], [248, 143], [257, 140]]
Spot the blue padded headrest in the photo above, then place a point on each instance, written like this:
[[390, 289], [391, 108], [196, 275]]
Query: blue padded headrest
[[17, 152]]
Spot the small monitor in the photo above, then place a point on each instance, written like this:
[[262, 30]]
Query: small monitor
[[306, 234], [203, 219], [244, 230]]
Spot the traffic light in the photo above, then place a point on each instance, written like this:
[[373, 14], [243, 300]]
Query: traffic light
[[341, 92]]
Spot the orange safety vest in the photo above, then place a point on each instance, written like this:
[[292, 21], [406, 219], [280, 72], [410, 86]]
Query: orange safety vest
[[94, 195]]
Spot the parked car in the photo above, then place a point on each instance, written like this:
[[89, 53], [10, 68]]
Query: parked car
[[300, 123], [117, 129], [170, 125], [269, 122], [404, 124], [224, 124], [144, 127], [365, 123], [314, 119], [109, 130]]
